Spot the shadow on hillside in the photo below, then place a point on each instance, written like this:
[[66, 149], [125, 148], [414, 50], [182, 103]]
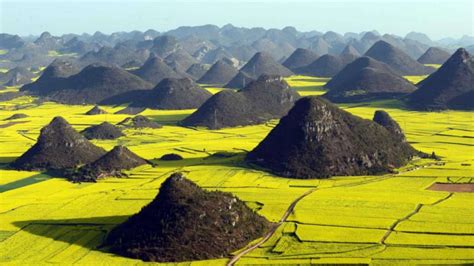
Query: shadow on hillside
[[5, 161], [88, 232]]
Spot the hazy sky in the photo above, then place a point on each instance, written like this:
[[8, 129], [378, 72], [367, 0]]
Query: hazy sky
[[438, 19]]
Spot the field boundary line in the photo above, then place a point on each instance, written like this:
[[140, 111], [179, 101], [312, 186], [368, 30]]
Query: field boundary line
[[273, 229], [406, 217]]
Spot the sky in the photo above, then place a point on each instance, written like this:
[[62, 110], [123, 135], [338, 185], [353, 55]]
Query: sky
[[436, 18]]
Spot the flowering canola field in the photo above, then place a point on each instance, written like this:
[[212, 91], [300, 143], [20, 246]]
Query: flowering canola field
[[366, 219]]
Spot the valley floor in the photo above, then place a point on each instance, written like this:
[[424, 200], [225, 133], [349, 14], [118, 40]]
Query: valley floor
[[366, 219]]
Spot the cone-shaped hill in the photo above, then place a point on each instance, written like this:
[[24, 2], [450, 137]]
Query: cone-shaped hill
[[16, 116], [59, 146], [94, 84], [240, 81], [318, 140], [220, 73], [263, 63], [181, 57], [105, 130], [450, 87], [434, 55], [155, 70], [267, 98], [187, 223], [96, 110], [196, 71], [366, 79], [325, 66], [139, 121], [398, 60], [299, 58], [16, 76], [349, 54], [173, 94], [53, 77], [111, 164]]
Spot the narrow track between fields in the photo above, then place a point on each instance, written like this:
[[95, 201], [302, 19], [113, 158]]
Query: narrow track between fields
[[290, 209], [272, 231]]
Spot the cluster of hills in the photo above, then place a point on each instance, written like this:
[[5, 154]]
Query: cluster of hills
[[314, 138], [377, 74], [190, 51]]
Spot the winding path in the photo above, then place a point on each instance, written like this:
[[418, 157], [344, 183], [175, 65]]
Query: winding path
[[290, 209], [272, 231]]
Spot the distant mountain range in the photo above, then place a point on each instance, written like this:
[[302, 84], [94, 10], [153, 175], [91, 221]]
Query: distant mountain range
[[206, 44]]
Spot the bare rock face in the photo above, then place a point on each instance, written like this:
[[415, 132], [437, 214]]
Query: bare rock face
[[186, 223], [267, 98], [450, 87], [318, 140], [111, 164], [59, 146]]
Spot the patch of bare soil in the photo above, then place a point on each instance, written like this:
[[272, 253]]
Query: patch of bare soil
[[451, 187]]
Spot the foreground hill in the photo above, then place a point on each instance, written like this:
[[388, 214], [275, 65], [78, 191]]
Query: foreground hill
[[267, 98], [451, 86], [366, 79], [59, 146], [318, 140], [398, 60], [94, 84], [184, 223]]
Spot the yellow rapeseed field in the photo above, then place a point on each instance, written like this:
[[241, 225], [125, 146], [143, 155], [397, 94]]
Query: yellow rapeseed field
[[389, 219]]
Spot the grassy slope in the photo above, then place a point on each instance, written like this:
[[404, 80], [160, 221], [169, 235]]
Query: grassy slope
[[50, 220]]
